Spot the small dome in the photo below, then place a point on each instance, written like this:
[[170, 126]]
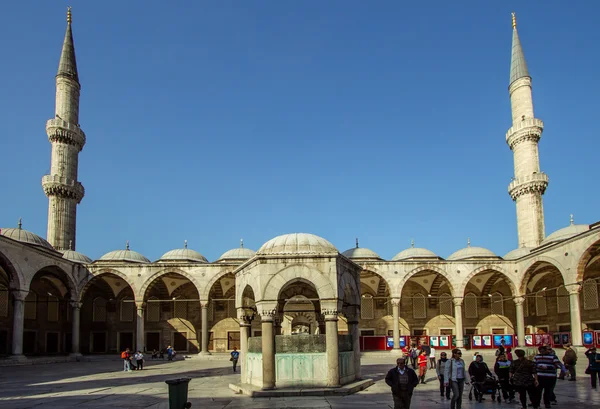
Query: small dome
[[566, 232], [237, 254], [183, 254], [415, 253], [517, 253], [472, 252], [360, 253], [76, 257], [25, 236], [124, 255], [297, 243]]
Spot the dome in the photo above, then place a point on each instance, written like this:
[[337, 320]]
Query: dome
[[25, 236], [415, 253], [237, 254], [183, 254], [360, 252], [124, 255], [517, 253], [472, 252], [566, 232], [297, 243], [76, 257]]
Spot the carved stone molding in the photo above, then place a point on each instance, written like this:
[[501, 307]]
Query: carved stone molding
[[76, 304], [458, 302], [573, 288], [519, 300], [515, 190]]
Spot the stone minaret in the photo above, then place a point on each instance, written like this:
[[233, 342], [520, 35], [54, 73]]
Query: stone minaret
[[61, 186], [528, 184]]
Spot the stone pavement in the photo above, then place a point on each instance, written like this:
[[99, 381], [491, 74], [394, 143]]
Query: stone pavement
[[103, 384]]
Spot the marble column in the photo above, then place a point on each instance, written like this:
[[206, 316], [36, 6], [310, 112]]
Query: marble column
[[140, 339], [519, 301], [458, 322], [204, 306], [18, 323], [244, 334], [268, 349], [355, 334], [75, 329], [396, 314], [576, 337], [332, 348]]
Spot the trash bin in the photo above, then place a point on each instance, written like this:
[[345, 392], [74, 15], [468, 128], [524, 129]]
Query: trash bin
[[178, 393]]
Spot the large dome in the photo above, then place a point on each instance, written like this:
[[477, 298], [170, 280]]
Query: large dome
[[237, 254], [124, 255], [297, 243], [517, 253], [566, 232], [25, 236], [183, 254], [472, 253], [415, 253]]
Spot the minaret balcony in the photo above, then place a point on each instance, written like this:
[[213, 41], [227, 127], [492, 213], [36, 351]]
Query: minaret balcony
[[536, 182], [59, 130], [527, 129], [56, 185]]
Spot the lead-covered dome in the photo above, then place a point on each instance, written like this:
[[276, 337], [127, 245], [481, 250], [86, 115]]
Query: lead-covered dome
[[25, 236], [183, 255], [361, 253], [469, 253], [76, 257], [238, 254], [566, 232], [297, 243], [415, 253], [124, 255], [517, 253]]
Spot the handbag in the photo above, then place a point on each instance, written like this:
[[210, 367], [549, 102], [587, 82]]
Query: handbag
[[511, 379], [588, 370], [231, 359]]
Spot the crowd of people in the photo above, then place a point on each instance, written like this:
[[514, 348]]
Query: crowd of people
[[532, 379]]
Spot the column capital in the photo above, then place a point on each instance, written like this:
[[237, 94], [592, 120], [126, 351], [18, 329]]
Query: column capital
[[75, 304], [574, 288], [330, 314], [458, 301], [519, 300], [267, 315], [395, 301], [140, 305], [19, 295], [204, 303]]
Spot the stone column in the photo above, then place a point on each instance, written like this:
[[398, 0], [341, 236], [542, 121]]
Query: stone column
[[576, 338], [277, 324], [268, 349], [396, 313], [18, 323], [244, 334], [204, 306], [75, 330], [140, 334], [520, 321], [332, 348], [458, 322], [355, 334]]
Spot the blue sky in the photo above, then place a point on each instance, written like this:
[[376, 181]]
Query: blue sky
[[215, 121]]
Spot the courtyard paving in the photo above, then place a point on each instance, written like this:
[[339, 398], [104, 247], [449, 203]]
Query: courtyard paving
[[103, 384]]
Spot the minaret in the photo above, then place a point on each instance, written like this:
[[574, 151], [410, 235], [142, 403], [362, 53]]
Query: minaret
[[528, 184], [61, 186]]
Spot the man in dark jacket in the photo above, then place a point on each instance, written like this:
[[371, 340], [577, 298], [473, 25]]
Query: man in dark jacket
[[403, 381], [570, 361]]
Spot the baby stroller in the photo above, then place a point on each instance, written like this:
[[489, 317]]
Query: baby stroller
[[490, 386]]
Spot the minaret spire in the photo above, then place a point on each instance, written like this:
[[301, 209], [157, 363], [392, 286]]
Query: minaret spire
[[61, 186], [529, 183]]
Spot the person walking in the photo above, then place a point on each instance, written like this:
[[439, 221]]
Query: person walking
[[235, 355], [139, 359], [413, 353], [546, 364], [169, 353], [570, 361], [593, 368], [403, 380], [432, 363], [523, 377], [455, 376], [422, 362], [440, 368], [502, 371]]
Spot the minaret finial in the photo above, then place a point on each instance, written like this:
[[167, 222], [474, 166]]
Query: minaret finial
[[70, 244], [357, 242], [185, 244], [412, 243], [241, 243], [514, 19], [572, 220], [468, 242], [69, 15], [127, 245], [20, 223]]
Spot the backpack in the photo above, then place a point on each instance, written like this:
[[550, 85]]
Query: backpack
[[123, 355]]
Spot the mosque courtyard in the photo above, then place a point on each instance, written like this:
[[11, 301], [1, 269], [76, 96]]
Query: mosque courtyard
[[103, 384]]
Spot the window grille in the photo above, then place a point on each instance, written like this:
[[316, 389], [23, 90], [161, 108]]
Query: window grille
[[180, 309], [562, 300], [99, 310], [31, 306], [526, 307], [3, 301], [52, 309], [471, 306], [419, 306], [211, 311], [231, 312], [497, 306], [540, 305], [367, 310], [127, 309], [446, 304], [389, 307], [590, 295], [153, 310]]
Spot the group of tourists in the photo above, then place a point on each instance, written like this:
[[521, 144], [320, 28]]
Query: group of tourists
[[132, 361], [533, 379]]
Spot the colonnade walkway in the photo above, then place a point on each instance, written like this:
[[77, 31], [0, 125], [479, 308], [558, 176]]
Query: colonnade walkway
[[103, 384]]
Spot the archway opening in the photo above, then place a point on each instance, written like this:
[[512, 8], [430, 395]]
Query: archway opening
[[298, 302], [224, 334], [376, 315], [546, 306], [7, 281], [590, 288]]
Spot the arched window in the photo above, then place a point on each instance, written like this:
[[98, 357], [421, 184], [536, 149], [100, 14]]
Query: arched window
[[231, 312], [419, 306], [3, 301], [367, 308], [127, 309], [99, 310], [526, 307], [590, 294], [31, 306], [540, 305], [180, 309], [471, 306], [52, 308], [153, 310], [446, 304], [497, 304], [211, 311], [562, 300]]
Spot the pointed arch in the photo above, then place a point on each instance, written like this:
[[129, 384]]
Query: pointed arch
[[533, 266], [433, 269], [88, 281], [204, 291], [12, 269], [592, 250], [294, 272], [141, 294], [499, 272]]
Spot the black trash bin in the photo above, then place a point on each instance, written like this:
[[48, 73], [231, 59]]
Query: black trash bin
[[178, 393]]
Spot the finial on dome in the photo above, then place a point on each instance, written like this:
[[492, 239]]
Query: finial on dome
[[185, 244], [572, 220], [70, 244], [241, 243], [357, 242], [69, 17], [127, 245], [468, 242], [514, 20], [412, 243], [20, 223]]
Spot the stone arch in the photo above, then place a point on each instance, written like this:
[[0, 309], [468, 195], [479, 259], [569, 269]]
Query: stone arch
[[242, 284], [59, 272], [97, 274], [12, 268], [298, 272], [592, 250], [141, 294], [532, 266], [499, 272], [432, 268], [204, 291]]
